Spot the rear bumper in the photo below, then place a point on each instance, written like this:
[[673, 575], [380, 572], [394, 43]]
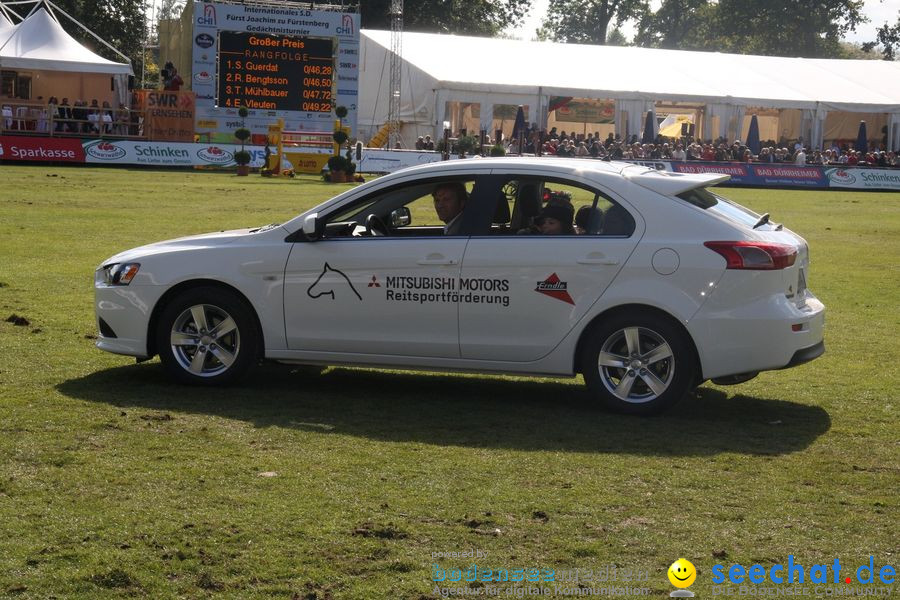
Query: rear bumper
[[762, 335], [804, 355]]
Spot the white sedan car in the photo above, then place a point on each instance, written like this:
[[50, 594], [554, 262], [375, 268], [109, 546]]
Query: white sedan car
[[659, 286]]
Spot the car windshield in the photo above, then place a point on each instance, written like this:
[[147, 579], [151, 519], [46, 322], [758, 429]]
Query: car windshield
[[705, 199]]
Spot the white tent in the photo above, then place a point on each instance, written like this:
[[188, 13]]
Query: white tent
[[40, 43], [38, 50], [6, 28], [438, 70]]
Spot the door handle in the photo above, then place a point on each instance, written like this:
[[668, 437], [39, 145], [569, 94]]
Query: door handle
[[598, 261], [436, 259]]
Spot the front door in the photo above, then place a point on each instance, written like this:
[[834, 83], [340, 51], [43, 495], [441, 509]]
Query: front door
[[384, 278]]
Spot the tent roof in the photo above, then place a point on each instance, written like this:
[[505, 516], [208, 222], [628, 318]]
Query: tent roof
[[6, 28], [514, 66], [39, 42]]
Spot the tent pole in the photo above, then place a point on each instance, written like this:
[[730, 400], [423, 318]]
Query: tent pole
[[94, 35]]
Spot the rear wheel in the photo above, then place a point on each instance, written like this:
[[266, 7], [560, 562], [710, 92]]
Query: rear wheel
[[207, 336], [638, 364]]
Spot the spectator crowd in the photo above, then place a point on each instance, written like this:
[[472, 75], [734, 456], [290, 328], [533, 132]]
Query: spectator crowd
[[687, 148]]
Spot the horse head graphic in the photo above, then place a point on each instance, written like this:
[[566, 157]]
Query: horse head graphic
[[329, 280]]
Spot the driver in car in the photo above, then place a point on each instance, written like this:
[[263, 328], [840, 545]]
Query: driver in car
[[449, 202]]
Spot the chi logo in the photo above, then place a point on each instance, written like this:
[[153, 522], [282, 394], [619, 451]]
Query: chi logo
[[209, 16], [555, 288], [346, 27]]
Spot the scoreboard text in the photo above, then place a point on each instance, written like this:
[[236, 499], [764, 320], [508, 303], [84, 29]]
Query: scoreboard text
[[275, 72]]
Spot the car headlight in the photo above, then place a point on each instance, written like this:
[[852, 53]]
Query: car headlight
[[116, 274]]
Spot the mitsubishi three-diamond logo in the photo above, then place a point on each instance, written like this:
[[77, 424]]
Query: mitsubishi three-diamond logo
[[554, 288]]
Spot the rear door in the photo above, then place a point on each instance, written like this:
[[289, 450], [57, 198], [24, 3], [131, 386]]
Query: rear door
[[522, 292]]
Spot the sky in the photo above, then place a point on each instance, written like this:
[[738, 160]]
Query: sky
[[878, 12]]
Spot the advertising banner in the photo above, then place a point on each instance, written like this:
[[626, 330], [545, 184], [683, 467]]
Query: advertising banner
[[169, 115], [863, 179], [167, 154], [787, 174], [387, 161], [41, 149], [578, 111]]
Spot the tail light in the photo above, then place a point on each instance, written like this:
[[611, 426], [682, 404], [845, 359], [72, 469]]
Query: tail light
[[757, 256]]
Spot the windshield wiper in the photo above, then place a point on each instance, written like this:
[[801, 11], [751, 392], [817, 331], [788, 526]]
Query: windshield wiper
[[762, 220]]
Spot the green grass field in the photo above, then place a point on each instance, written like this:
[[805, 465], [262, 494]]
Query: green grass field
[[342, 484]]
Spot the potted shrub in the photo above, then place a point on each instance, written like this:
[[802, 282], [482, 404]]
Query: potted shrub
[[498, 150], [339, 137], [242, 134], [339, 169], [242, 158], [467, 144]]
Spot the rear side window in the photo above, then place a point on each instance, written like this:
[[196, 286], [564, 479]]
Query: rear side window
[[705, 199], [580, 210]]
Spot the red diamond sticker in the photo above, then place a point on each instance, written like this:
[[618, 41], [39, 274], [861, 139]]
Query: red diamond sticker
[[554, 288]]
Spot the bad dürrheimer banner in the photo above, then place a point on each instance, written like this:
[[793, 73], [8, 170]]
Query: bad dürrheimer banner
[[169, 116]]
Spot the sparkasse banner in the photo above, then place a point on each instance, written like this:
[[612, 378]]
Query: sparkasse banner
[[41, 149]]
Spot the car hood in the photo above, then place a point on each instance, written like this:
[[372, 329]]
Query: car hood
[[205, 240]]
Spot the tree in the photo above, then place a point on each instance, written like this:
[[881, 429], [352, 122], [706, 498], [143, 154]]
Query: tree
[[678, 24], [807, 28], [170, 9], [119, 22], [889, 39], [616, 38], [586, 21], [464, 17]]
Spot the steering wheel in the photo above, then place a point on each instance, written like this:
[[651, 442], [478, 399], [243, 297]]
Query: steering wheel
[[375, 227]]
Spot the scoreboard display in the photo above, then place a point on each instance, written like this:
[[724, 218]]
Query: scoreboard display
[[275, 72]]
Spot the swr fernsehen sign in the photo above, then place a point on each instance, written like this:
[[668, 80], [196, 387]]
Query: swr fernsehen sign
[[275, 72]]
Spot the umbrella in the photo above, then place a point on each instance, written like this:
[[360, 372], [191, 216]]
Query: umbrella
[[649, 126], [753, 136], [520, 127], [862, 140]]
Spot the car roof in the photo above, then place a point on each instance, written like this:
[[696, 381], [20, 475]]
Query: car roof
[[609, 172]]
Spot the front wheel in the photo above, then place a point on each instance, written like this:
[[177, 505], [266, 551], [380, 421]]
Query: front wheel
[[207, 336], [638, 364]]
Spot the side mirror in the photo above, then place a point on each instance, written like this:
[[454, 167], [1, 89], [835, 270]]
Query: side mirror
[[311, 226], [401, 217]]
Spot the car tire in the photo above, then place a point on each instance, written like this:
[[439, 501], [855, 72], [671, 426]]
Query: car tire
[[207, 336], [638, 363]]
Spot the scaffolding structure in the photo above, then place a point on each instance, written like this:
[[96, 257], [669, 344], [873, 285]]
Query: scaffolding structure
[[396, 61]]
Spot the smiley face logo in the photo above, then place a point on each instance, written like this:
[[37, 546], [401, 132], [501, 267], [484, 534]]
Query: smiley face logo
[[682, 573]]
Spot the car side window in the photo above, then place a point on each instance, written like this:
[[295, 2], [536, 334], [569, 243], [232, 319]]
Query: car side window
[[553, 206], [402, 210]]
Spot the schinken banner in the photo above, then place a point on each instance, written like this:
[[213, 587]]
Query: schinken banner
[[176, 154], [879, 179]]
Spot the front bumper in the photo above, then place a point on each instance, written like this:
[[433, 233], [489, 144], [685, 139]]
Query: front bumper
[[126, 311]]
